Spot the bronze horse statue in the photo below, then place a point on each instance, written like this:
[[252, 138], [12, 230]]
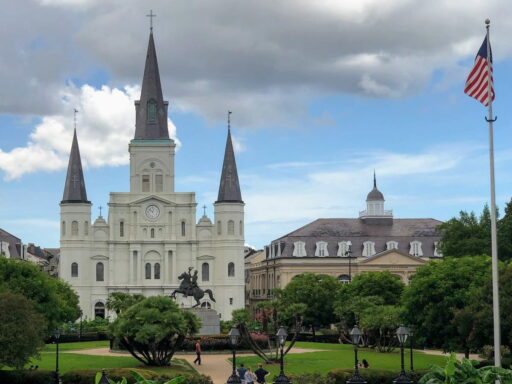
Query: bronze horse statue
[[189, 287]]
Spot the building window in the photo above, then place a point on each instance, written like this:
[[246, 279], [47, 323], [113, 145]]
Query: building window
[[321, 249], [99, 310], [152, 111], [205, 272], [299, 249], [145, 183], [148, 271], [368, 248], [344, 279], [63, 228], [152, 232], [231, 269], [157, 271], [230, 301], [344, 248], [231, 227], [219, 228], [74, 228], [415, 249], [159, 183], [74, 270], [86, 228], [206, 304], [241, 228], [437, 251], [100, 272], [391, 245], [121, 229], [183, 232]]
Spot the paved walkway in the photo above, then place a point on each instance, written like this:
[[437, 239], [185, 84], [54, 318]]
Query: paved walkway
[[472, 356]]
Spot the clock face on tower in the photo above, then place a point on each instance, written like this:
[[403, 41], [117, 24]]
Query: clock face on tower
[[152, 212]]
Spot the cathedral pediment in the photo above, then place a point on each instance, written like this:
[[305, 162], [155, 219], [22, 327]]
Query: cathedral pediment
[[153, 197], [394, 257]]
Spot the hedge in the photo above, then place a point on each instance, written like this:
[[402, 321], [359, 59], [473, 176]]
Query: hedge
[[72, 338], [221, 343], [340, 376], [27, 377], [86, 376]]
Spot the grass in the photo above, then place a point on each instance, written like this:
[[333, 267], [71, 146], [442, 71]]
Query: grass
[[335, 356], [76, 346]]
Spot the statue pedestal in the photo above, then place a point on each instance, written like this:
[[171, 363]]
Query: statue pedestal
[[210, 320]]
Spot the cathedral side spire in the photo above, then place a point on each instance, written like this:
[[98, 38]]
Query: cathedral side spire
[[151, 109], [229, 189], [74, 188]]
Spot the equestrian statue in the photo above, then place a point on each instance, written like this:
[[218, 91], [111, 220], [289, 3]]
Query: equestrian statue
[[189, 287]]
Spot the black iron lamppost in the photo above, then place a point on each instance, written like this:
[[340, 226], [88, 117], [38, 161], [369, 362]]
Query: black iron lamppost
[[57, 337], [281, 338], [234, 335], [348, 255], [411, 334], [103, 379], [356, 336], [402, 333]]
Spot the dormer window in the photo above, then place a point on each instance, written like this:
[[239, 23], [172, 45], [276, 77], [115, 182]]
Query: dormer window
[[416, 248], [299, 249], [368, 248], [321, 249], [152, 111], [344, 248], [391, 245]]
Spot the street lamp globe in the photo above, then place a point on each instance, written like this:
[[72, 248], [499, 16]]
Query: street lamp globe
[[281, 335], [402, 333], [356, 335], [234, 335], [57, 333]]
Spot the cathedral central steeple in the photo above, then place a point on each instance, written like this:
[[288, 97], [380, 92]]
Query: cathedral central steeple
[[151, 109], [74, 188]]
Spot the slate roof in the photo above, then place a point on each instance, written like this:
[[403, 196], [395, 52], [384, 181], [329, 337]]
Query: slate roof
[[14, 243], [74, 188], [358, 231], [146, 129], [229, 188]]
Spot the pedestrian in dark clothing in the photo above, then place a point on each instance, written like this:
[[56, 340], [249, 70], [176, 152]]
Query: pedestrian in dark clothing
[[365, 363], [198, 353], [241, 371], [260, 374]]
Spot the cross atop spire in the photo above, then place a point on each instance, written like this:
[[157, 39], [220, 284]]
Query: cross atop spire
[[229, 120], [151, 15], [374, 180], [74, 188], [204, 210]]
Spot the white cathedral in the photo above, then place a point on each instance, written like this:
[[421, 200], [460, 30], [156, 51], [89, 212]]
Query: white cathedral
[[151, 236]]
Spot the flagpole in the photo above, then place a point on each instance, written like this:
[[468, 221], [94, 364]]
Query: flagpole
[[494, 245]]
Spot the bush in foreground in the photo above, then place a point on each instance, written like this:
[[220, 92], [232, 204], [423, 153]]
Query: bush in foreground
[[27, 377]]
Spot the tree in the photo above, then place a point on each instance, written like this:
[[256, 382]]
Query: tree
[[52, 297], [379, 284], [317, 292], [22, 330], [435, 294], [152, 329], [120, 301], [505, 234]]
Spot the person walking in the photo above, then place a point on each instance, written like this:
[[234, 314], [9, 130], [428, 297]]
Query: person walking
[[249, 376], [260, 374], [198, 353], [241, 372]]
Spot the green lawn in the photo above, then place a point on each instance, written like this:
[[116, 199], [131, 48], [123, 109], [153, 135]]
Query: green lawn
[[336, 356], [76, 346]]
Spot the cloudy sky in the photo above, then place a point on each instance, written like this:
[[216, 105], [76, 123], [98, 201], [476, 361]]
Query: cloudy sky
[[322, 92]]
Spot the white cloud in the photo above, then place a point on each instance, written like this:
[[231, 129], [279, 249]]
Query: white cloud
[[105, 124], [238, 144]]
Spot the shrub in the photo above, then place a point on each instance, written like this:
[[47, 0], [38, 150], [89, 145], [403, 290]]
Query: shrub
[[87, 376], [488, 351], [311, 378], [195, 379], [372, 376], [27, 377]]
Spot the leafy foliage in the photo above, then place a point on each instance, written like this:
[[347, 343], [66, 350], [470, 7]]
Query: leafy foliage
[[22, 330], [437, 292], [120, 301], [52, 297], [153, 329]]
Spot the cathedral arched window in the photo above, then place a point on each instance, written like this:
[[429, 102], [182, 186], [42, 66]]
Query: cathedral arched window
[[99, 310], [63, 228], [152, 106], [100, 272], [205, 272], [219, 227], [148, 271], [241, 228], [121, 228], [74, 228], [152, 233], [231, 269], [157, 271], [159, 183], [231, 227], [183, 232], [74, 269], [86, 228], [206, 304]]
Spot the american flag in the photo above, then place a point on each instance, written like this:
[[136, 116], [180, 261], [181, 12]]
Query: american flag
[[477, 84]]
